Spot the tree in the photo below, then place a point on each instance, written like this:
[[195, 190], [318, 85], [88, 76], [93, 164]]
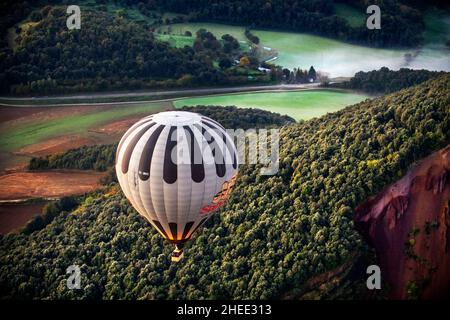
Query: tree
[[312, 74], [244, 61], [225, 63]]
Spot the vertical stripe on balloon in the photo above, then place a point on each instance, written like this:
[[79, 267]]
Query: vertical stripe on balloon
[[170, 168], [147, 154]]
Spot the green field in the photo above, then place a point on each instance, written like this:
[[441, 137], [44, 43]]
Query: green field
[[217, 29], [176, 40], [297, 104], [174, 33], [15, 137]]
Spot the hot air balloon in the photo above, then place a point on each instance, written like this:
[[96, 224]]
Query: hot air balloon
[[176, 168]]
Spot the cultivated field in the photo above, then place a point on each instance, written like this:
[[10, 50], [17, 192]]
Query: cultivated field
[[13, 216], [48, 184], [301, 105], [38, 131]]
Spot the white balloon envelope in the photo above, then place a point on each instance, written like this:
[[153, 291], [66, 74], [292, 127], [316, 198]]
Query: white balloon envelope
[[176, 168]]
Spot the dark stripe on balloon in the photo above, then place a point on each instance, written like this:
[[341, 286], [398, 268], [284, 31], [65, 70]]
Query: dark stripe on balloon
[[187, 228], [197, 169], [199, 225], [130, 147], [213, 121], [130, 130], [145, 162], [220, 163], [170, 168], [173, 229], [160, 228]]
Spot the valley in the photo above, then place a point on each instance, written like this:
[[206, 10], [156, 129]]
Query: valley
[[363, 167], [38, 130], [332, 57]]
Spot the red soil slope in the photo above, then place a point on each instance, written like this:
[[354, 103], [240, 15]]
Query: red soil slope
[[409, 226]]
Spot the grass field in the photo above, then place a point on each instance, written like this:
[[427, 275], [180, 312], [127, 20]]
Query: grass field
[[217, 29], [18, 135], [177, 41], [297, 104]]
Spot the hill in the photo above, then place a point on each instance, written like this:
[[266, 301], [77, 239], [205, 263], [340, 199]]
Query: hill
[[386, 81], [276, 232], [111, 51]]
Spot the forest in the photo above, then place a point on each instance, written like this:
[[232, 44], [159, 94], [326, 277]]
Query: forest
[[402, 24], [96, 157], [115, 53], [275, 233], [402, 19], [386, 81]]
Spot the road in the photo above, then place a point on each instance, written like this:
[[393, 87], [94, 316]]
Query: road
[[153, 96]]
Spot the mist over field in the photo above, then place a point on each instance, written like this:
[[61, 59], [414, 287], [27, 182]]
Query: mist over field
[[332, 57], [346, 62]]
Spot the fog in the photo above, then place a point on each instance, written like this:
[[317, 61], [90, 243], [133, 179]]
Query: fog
[[349, 60]]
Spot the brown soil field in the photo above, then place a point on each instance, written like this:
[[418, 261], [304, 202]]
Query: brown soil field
[[117, 127], [48, 184], [15, 216], [54, 145], [108, 133], [16, 115], [11, 116]]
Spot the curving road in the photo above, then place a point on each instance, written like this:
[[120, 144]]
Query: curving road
[[147, 96]]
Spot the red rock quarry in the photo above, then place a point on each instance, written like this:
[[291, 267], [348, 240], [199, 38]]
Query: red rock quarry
[[408, 224]]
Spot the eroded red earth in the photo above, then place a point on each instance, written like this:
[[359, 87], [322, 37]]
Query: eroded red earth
[[408, 224]]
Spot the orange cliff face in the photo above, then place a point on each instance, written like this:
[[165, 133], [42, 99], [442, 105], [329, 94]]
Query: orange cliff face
[[408, 224]]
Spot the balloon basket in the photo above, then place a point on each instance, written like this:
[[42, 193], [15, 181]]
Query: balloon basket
[[177, 254]]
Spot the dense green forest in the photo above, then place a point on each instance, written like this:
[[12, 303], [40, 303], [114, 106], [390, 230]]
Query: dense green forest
[[386, 81], [114, 52], [96, 157], [275, 233]]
